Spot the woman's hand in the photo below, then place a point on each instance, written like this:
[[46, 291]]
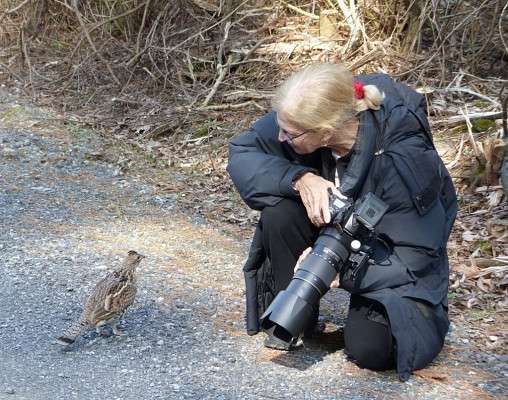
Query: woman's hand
[[303, 256], [313, 190]]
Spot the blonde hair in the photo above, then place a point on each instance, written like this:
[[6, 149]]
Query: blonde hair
[[321, 97]]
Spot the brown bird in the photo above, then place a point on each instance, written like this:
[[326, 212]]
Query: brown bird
[[109, 299]]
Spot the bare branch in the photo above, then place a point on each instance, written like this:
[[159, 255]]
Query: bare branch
[[462, 118], [225, 18], [90, 41], [13, 10], [26, 56], [220, 107], [223, 69], [143, 21], [300, 11], [102, 23], [354, 22], [501, 35], [470, 133], [471, 92]]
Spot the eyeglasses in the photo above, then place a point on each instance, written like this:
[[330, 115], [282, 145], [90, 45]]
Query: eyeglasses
[[291, 138]]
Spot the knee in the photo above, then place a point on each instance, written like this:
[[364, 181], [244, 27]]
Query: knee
[[370, 355], [283, 215], [367, 335]]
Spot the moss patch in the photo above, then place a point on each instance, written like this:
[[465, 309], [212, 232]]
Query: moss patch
[[13, 113], [482, 124]]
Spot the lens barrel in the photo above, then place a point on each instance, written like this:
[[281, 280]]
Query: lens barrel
[[290, 312]]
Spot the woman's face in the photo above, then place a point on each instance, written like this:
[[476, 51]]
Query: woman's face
[[302, 142]]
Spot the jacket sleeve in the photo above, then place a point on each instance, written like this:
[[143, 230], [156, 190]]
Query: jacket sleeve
[[260, 167]]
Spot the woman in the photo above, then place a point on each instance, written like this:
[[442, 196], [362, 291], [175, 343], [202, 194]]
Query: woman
[[368, 134]]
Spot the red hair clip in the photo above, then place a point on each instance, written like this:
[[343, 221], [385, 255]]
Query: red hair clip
[[359, 93]]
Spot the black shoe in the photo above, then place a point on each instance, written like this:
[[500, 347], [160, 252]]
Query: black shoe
[[274, 343], [314, 330]]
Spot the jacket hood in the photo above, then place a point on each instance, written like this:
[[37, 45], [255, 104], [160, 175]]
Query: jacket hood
[[403, 110]]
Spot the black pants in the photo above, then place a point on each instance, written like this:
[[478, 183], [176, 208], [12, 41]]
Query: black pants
[[287, 231]]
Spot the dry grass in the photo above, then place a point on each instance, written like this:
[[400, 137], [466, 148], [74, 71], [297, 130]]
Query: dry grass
[[171, 61]]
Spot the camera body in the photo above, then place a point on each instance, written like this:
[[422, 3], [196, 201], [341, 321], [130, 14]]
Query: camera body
[[338, 250]]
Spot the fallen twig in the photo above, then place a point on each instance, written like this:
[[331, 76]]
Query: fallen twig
[[220, 107], [491, 266], [468, 91], [355, 24], [11, 72], [470, 133], [143, 21], [462, 117], [459, 154], [501, 27], [300, 11], [120, 100], [222, 69], [504, 116], [13, 10], [253, 49], [26, 56], [99, 24], [365, 59], [225, 18], [248, 94]]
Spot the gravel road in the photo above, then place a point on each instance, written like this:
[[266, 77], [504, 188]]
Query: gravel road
[[66, 216]]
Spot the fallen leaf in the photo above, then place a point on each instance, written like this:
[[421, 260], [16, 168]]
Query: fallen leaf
[[472, 302], [432, 374], [469, 236], [495, 198]]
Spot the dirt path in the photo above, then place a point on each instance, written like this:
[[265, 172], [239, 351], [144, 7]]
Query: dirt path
[[67, 215]]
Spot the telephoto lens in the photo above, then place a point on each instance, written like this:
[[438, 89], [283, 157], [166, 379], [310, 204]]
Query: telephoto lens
[[292, 309]]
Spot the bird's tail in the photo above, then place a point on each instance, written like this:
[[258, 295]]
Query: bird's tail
[[74, 331]]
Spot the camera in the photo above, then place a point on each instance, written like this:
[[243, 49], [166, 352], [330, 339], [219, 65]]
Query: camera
[[344, 246]]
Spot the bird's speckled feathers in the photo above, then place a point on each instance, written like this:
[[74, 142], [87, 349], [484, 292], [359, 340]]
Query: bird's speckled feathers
[[108, 300]]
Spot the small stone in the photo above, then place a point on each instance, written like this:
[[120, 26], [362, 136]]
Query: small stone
[[10, 153], [493, 338], [10, 391], [160, 342]]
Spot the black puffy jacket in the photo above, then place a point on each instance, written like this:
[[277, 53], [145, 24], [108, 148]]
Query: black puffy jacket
[[394, 157]]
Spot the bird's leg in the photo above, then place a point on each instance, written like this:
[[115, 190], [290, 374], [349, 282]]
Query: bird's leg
[[114, 327], [99, 328]]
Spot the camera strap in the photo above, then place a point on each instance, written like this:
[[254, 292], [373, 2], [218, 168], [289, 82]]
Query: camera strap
[[379, 150]]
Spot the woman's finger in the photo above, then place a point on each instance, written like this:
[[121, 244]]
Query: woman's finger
[[337, 193], [325, 209], [302, 257], [315, 211], [335, 284]]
